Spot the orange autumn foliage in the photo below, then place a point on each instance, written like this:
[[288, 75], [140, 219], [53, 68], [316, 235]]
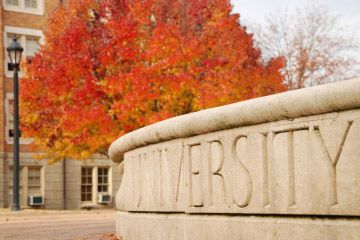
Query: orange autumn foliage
[[109, 67]]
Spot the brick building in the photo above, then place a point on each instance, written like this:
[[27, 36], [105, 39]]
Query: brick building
[[68, 184]]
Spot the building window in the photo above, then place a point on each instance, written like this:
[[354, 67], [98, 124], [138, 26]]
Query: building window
[[30, 40], [31, 45], [103, 180], [34, 180], [31, 183], [95, 181], [9, 121], [86, 184], [25, 6], [11, 178], [9, 111], [13, 3], [32, 4]]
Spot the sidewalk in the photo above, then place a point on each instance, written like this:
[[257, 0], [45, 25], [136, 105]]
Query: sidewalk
[[57, 225]]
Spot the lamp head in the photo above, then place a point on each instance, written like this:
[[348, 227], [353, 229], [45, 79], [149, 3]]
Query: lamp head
[[15, 50]]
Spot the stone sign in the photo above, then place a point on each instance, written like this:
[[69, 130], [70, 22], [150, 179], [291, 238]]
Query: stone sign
[[301, 158]]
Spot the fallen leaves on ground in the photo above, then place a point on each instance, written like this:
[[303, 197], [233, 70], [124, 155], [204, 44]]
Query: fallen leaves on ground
[[110, 236]]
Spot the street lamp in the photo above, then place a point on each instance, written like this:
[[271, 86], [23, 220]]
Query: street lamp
[[15, 50]]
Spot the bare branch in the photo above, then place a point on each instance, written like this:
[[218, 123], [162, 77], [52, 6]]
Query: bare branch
[[316, 46]]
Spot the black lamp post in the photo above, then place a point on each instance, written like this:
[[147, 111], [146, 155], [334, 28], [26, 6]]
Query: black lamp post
[[15, 50]]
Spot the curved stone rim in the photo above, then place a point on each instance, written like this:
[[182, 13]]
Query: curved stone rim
[[339, 96]]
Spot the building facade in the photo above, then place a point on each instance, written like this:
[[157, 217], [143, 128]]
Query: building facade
[[69, 184]]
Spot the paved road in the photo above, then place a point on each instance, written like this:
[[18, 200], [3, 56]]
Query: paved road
[[57, 225]]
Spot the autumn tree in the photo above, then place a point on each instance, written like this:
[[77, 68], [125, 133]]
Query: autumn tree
[[109, 67], [316, 45]]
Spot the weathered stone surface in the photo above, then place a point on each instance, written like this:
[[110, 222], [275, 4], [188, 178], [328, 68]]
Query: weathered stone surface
[[135, 226], [154, 179], [290, 154], [306, 166]]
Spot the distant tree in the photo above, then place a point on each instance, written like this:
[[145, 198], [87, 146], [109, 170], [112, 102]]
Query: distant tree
[[109, 67], [317, 47]]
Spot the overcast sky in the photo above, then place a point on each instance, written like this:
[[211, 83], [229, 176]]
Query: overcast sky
[[255, 10]]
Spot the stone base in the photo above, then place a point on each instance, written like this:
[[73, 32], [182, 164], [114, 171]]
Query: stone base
[[147, 226]]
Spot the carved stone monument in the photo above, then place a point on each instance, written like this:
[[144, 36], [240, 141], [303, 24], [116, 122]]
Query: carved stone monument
[[285, 166]]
